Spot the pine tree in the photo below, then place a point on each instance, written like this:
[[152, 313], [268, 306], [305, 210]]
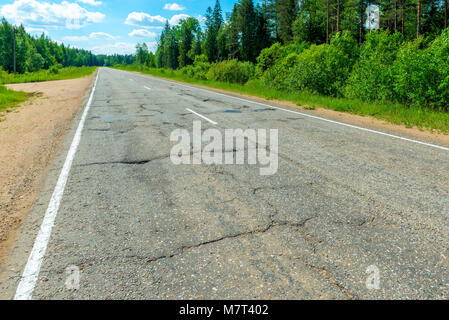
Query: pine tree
[[287, 12], [264, 32], [362, 19], [214, 20], [188, 29], [445, 14], [418, 27], [248, 30], [233, 41]]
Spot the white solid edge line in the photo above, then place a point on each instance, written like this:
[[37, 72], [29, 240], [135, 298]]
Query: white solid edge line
[[308, 115], [201, 116], [31, 272]]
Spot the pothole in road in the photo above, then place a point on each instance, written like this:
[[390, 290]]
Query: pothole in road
[[232, 111], [245, 107], [111, 118], [263, 110]]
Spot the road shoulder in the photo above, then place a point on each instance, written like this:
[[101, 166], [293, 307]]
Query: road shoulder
[[30, 138]]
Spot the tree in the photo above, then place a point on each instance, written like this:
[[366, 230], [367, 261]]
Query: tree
[[6, 46], [338, 16], [188, 29], [445, 14], [233, 41], [195, 50], [214, 20], [311, 23], [418, 27], [141, 53], [395, 15], [362, 16], [264, 30], [36, 62], [287, 11], [37, 53], [327, 21], [248, 28], [222, 41]]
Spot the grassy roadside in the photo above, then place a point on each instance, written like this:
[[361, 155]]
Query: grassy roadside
[[10, 99], [392, 112], [47, 75]]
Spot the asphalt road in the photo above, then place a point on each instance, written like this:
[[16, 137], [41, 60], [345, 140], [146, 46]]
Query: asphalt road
[[140, 227]]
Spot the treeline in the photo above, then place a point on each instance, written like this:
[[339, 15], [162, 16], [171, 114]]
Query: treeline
[[37, 53], [251, 27], [246, 31], [319, 47]]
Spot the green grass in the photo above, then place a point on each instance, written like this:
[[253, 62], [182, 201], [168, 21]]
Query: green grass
[[395, 113], [10, 99], [46, 75]]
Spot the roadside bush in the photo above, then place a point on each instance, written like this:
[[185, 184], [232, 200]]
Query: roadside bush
[[35, 62], [53, 70], [323, 68], [415, 78], [274, 64], [372, 76], [439, 50], [422, 75], [231, 71], [3, 75], [199, 68], [277, 75], [310, 71], [274, 54]]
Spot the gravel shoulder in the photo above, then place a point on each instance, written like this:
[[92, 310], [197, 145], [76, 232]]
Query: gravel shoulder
[[30, 137]]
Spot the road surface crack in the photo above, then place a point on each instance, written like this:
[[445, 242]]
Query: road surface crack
[[124, 162], [183, 249], [323, 272]]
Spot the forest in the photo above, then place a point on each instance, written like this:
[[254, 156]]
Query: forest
[[40, 53], [388, 51]]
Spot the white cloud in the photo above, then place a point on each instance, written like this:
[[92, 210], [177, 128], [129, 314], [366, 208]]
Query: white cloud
[[152, 46], [75, 38], [70, 15], [37, 31], [121, 48], [115, 48], [91, 2], [101, 35], [173, 7], [142, 33], [201, 18], [93, 35], [154, 27], [142, 19], [178, 17], [145, 20]]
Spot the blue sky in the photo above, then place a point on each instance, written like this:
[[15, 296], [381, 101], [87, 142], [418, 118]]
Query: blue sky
[[103, 26]]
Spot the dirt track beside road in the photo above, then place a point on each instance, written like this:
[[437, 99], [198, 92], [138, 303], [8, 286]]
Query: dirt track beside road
[[29, 140]]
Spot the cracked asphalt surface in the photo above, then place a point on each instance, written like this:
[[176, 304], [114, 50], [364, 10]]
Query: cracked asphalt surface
[[140, 227]]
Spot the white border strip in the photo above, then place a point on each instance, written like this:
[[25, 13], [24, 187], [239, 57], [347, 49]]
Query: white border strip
[[307, 115], [31, 272], [201, 116]]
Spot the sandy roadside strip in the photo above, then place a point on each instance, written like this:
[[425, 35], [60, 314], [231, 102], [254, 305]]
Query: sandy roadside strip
[[30, 138]]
